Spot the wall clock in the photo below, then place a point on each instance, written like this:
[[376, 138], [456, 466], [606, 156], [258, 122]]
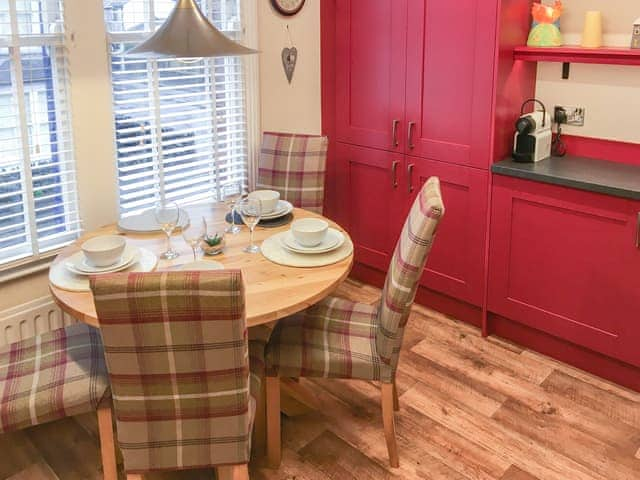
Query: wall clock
[[288, 7]]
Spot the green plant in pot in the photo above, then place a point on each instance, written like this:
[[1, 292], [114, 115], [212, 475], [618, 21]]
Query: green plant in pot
[[213, 243]]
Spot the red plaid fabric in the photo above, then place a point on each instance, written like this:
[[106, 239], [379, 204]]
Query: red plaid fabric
[[406, 267], [342, 339], [295, 166], [333, 339], [178, 357], [51, 376]]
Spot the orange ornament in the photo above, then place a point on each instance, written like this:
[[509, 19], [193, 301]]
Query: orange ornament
[[545, 13]]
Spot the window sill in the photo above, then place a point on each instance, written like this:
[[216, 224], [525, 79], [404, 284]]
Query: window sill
[[26, 269]]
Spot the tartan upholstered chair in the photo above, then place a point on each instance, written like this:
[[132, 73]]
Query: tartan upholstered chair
[[55, 375], [295, 166], [342, 339], [177, 354]]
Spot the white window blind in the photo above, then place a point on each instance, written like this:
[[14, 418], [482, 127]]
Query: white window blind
[[38, 206], [181, 126]]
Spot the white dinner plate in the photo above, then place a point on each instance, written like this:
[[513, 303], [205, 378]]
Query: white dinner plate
[[76, 263], [283, 208], [127, 256], [61, 277], [146, 222], [332, 241], [202, 265]]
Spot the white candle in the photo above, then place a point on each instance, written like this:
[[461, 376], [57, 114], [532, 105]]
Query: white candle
[[592, 35]]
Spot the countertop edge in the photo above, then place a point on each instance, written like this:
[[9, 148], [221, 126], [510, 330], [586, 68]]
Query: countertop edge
[[523, 171]]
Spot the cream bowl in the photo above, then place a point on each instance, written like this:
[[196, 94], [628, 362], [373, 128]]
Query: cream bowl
[[309, 232], [105, 250], [268, 199]]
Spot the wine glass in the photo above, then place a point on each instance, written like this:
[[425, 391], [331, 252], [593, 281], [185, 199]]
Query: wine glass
[[168, 215], [231, 194], [193, 235], [251, 211]]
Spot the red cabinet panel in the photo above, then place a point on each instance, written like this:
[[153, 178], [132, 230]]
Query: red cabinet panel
[[370, 66], [450, 58], [456, 263], [372, 205], [566, 262]]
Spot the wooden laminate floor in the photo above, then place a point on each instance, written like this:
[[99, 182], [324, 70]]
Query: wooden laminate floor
[[470, 409]]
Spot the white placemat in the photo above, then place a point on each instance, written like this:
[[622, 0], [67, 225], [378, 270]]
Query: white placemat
[[62, 278], [146, 222], [273, 250]]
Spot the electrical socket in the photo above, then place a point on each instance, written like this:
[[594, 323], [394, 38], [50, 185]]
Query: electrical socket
[[573, 116]]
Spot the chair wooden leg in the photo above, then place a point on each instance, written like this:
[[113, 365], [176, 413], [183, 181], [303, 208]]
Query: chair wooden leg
[[396, 400], [107, 442], [389, 424], [233, 472], [274, 447], [134, 476]]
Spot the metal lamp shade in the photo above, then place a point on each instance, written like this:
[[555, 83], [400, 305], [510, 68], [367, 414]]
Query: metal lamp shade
[[188, 33]]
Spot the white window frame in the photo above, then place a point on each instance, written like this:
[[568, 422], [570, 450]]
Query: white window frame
[[248, 30], [93, 126], [31, 255]]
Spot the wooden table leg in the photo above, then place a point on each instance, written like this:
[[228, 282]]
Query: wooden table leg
[[296, 398], [259, 439]]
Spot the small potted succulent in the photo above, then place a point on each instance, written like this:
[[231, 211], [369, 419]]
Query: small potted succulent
[[213, 242]]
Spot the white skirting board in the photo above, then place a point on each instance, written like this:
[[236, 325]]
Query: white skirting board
[[32, 318]]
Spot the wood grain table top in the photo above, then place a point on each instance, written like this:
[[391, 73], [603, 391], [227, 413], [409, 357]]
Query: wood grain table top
[[272, 291]]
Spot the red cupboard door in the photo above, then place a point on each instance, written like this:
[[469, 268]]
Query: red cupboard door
[[370, 72], [450, 62], [371, 200], [566, 262], [456, 263]]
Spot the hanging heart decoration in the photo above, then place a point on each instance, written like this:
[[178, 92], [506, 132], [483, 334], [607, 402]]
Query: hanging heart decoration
[[289, 60]]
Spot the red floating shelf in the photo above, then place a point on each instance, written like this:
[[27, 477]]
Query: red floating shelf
[[576, 54]]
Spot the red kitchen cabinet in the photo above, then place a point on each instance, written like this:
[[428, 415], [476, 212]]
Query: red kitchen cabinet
[[455, 265], [567, 262], [372, 200], [397, 61], [370, 63], [450, 70]]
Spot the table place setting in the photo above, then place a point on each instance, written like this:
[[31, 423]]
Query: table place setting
[[274, 212], [310, 242], [98, 256]]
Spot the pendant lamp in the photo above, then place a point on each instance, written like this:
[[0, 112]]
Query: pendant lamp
[[188, 33]]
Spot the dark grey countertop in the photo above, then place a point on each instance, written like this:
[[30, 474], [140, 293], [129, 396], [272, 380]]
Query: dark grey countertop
[[600, 176]]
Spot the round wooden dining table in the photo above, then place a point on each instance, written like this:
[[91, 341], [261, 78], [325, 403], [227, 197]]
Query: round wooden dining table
[[272, 291]]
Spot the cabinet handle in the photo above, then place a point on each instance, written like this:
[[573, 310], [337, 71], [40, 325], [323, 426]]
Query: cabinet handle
[[394, 133], [410, 135], [394, 173], [410, 177], [638, 232]]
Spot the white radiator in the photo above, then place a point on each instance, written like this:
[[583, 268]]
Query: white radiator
[[30, 319]]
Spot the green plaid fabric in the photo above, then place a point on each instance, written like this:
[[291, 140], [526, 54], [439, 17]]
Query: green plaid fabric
[[295, 166], [178, 358], [51, 376], [334, 339], [342, 339], [407, 265]]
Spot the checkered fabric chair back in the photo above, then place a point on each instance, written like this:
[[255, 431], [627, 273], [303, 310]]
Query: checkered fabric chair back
[[406, 267], [176, 352], [295, 166]]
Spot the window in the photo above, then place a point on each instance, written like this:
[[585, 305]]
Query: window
[[38, 205], [181, 126]]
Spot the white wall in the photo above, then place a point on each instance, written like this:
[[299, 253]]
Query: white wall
[[296, 107], [611, 94]]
